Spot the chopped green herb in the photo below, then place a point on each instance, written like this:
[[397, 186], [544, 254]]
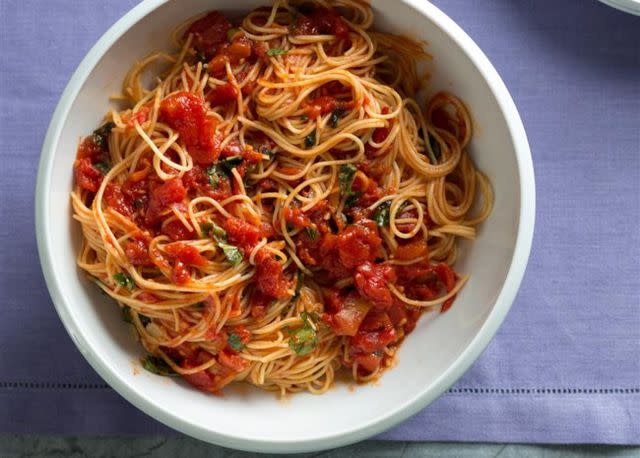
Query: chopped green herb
[[199, 305], [304, 118], [381, 216], [267, 152], [232, 33], [138, 203], [157, 366], [352, 199], [232, 253], [200, 57], [218, 234], [310, 140], [435, 147], [216, 174], [124, 280], [103, 167], [335, 117], [276, 52], [101, 135], [303, 340], [345, 178], [311, 232], [235, 342]]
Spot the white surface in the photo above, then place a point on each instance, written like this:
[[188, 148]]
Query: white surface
[[431, 359], [628, 6]]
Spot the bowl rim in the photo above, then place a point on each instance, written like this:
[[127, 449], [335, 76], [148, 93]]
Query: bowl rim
[[627, 6], [358, 432]]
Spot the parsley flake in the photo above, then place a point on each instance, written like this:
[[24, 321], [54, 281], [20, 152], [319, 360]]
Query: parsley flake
[[157, 366], [235, 341], [276, 52], [124, 280], [381, 215], [310, 140]]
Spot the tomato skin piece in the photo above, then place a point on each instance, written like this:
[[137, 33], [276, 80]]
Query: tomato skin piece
[[170, 192], [296, 218], [209, 32], [375, 333], [87, 176], [371, 281], [222, 95], [270, 279]]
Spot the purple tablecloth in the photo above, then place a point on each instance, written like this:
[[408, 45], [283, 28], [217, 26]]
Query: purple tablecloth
[[565, 367]]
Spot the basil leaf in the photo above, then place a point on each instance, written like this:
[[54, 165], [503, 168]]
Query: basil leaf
[[157, 366], [276, 52], [235, 342], [381, 216], [215, 175], [352, 199], [103, 167], [126, 314], [345, 178], [206, 229], [124, 280], [267, 152], [304, 118], [335, 117], [303, 340], [101, 135], [232, 253], [310, 140]]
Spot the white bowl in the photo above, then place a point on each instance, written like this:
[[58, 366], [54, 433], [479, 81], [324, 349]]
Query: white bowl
[[430, 360], [628, 6]]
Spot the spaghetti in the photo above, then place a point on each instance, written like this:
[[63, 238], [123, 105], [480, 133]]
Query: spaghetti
[[277, 206]]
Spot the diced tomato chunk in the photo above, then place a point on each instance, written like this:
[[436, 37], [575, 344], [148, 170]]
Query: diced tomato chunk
[[270, 278], [176, 230], [375, 333], [370, 362], [187, 254], [358, 243], [180, 274], [242, 234], [116, 200], [348, 319], [137, 251], [170, 192], [232, 361], [222, 95], [412, 250], [87, 176], [296, 218], [322, 21], [209, 32], [186, 113], [371, 281]]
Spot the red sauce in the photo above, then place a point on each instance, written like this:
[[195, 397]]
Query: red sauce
[[186, 113], [326, 104], [198, 182], [117, 200], [176, 230]]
